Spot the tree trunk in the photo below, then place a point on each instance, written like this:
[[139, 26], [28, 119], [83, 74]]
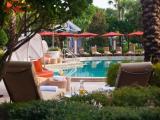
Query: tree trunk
[[151, 25]]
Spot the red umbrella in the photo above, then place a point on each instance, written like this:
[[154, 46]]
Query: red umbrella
[[138, 33], [85, 34], [65, 34], [47, 33], [111, 34]]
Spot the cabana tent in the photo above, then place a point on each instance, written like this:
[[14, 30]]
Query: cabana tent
[[30, 50]]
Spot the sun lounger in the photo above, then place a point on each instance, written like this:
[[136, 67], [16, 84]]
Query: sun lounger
[[21, 82], [94, 51], [132, 74], [131, 50], [106, 51], [118, 51], [83, 53]]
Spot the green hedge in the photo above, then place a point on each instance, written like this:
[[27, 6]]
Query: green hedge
[[155, 80], [51, 110], [126, 96], [112, 73], [136, 96]]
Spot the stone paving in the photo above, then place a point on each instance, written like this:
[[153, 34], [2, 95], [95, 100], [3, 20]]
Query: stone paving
[[89, 86]]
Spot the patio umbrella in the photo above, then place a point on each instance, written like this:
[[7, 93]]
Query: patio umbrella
[[112, 34], [138, 33], [47, 33], [65, 34], [87, 34], [82, 35]]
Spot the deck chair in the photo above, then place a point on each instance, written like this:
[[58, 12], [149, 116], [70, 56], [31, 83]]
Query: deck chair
[[82, 52], [20, 82], [131, 50], [134, 74], [118, 51], [94, 51], [106, 51], [22, 85]]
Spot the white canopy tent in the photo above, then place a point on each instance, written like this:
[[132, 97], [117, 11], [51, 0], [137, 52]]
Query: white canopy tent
[[30, 50]]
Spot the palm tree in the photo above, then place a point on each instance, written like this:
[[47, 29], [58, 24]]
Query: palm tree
[[119, 4], [151, 26]]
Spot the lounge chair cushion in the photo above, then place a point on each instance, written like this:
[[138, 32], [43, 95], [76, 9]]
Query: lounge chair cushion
[[132, 74]]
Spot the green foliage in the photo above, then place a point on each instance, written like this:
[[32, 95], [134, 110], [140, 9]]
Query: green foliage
[[59, 11], [127, 113], [126, 96], [100, 49], [3, 38], [85, 19], [95, 98], [138, 96], [112, 73], [126, 18], [1, 53], [54, 110], [54, 49], [98, 25], [48, 110], [155, 80]]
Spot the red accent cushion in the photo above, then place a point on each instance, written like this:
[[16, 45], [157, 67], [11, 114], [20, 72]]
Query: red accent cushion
[[37, 65], [39, 70], [45, 73]]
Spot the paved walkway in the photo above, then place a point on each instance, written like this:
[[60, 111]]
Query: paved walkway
[[89, 86]]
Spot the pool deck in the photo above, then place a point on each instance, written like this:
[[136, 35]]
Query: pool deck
[[89, 86], [78, 63], [89, 79]]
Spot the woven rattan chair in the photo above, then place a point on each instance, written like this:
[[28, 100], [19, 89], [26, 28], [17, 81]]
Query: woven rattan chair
[[134, 74]]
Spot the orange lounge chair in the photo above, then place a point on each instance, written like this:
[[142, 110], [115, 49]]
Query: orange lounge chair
[[40, 72]]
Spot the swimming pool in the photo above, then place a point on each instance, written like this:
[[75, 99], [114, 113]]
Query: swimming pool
[[96, 68]]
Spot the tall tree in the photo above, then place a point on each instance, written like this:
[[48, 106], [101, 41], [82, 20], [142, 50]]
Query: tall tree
[[98, 25], [151, 25], [85, 19], [34, 15]]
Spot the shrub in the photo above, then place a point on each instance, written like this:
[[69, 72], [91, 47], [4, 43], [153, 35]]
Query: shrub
[[1, 53], [100, 50], [112, 74], [51, 110], [3, 38], [54, 49], [54, 110], [136, 96], [155, 80], [128, 113], [97, 98]]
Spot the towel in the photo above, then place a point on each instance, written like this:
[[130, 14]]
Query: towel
[[59, 78], [48, 88]]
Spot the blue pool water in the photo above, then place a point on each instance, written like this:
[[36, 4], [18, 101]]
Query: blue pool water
[[90, 69]]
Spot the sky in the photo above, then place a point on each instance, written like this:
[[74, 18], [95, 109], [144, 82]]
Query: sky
[[101, 3]]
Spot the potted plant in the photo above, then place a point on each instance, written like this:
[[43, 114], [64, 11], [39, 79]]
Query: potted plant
[[55, 52]]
